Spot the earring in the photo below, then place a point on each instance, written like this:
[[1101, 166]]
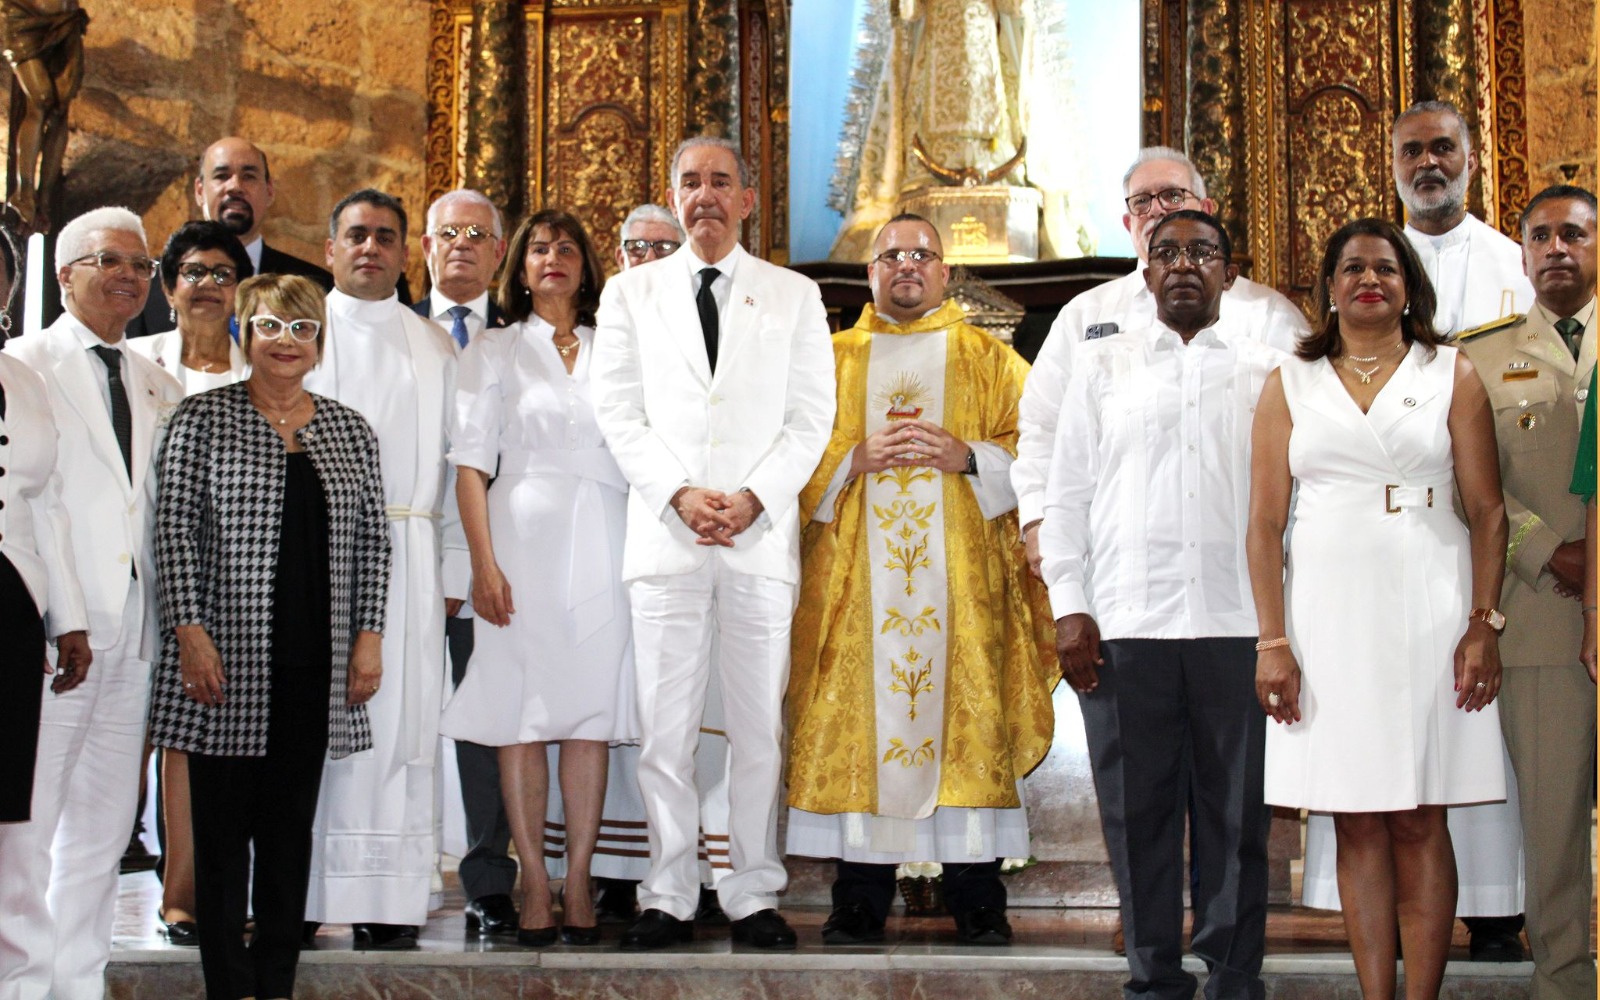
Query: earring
[[172, 314], [5, 322], [1332, 307], [1407, 310]]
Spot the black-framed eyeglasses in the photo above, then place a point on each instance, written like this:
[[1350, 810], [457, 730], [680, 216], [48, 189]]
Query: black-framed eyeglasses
[[144, 268], [639, 249], [452, 233], [1171, 199], [222, 274], [266, 325], [1198, 254], [918, 257]]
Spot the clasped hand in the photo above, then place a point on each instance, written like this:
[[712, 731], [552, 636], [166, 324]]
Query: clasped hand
[[909, 443], [714, 516]]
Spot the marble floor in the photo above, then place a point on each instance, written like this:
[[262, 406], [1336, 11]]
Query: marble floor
[[1058, 953]]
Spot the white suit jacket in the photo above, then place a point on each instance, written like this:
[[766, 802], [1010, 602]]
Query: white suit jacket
[[35, 529], [112, 519], [760, 423]]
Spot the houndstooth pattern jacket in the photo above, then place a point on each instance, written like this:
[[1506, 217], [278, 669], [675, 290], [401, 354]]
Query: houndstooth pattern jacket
[[218, 517]]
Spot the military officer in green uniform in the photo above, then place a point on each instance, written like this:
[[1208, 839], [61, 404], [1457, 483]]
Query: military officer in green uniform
[[1537, 369]]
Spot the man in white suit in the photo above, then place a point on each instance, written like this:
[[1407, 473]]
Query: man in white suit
[[713, 378], [59, 870]]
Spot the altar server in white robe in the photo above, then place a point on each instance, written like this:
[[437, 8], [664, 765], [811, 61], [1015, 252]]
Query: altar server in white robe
[[1160, 182], [58, 872], [374, 850], [713, 383], [1478, 278]]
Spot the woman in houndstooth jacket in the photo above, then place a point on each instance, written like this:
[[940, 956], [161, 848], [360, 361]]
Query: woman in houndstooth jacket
[[273, 555]]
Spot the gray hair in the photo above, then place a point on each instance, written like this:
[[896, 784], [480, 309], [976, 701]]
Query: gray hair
[[465, 196], [1438, 108], [73, 240], [1148, 154], [719, 143], [650, 213]]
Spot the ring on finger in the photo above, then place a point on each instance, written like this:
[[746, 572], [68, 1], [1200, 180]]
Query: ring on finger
[[1274, 700]]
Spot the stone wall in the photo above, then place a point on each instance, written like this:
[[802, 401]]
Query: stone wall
[[332, 90], [1559, 57]]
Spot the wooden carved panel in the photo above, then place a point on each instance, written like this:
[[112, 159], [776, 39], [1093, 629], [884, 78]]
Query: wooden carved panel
[[1165, 93], [1512, 184], [610, 112], [450, 26], [1341, 97]]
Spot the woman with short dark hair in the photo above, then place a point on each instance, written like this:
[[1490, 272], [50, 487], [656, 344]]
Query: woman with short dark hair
[[1379, 655], [273, 552], [201, 267], [546, 544]]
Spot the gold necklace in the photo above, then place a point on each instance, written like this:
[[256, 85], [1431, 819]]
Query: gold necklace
[[1365, 375], [285, 414], [566, 352]]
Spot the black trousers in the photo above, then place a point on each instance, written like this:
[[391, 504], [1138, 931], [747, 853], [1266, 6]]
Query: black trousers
[[966, 887], [487, 869], [21, 689], [1174, 729], [269, 802]]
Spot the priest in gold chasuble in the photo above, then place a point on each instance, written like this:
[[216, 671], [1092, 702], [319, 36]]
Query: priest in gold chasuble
[[924, 650]]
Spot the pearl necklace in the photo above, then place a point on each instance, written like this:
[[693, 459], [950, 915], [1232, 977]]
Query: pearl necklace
[[1365, 375]]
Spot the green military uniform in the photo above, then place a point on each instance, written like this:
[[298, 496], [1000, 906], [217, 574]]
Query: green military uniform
[[1547, 708]]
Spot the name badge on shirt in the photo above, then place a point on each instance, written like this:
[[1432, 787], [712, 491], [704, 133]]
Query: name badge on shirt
[[1097, 330]]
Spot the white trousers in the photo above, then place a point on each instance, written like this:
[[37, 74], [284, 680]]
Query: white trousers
[[58, 871], [1487, 840], [674, 620]]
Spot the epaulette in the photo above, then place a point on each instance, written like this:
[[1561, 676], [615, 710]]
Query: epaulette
[[1489, 327]]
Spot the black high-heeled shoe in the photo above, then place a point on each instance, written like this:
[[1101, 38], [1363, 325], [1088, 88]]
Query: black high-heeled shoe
[[537, 937], [182, 933], [580, 935]]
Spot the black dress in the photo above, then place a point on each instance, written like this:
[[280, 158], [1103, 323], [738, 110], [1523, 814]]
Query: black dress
[[270, 801]]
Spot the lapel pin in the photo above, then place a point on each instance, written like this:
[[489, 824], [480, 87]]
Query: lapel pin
[[1409, 401], [749, 301]]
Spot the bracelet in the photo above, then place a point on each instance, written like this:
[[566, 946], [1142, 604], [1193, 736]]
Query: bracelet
[[1266, 644]]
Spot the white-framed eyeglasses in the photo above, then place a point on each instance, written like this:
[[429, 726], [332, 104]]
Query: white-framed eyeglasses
[[304, 331]]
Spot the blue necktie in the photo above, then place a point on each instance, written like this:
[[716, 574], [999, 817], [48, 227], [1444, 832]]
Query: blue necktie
[[458, 329]]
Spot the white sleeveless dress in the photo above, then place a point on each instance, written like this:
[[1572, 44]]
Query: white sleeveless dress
[[1376, 601]]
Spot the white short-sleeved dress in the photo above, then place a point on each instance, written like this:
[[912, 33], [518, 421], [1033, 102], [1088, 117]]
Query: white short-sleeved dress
[[1379, 585], [563, 668]]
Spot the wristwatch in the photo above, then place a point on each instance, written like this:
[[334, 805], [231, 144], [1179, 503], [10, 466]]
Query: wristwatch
[[972, 461], [1490, 617]]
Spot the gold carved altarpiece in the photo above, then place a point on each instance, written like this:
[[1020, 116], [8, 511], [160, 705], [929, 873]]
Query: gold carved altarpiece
[[579, 104]]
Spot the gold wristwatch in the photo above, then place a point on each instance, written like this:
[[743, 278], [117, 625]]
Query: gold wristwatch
[[1490, 617]]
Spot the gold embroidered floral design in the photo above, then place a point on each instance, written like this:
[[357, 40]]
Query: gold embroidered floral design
[[909, 756], [894, 618], [904, 510], [912, 679]]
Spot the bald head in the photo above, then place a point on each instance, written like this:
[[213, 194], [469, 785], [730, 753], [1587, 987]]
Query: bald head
[[234, 186]]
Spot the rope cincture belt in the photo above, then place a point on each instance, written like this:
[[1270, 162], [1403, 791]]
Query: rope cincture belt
[[399, 512]]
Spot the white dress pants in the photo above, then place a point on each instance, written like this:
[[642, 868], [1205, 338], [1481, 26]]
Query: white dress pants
[[58, 871], [674, 620]]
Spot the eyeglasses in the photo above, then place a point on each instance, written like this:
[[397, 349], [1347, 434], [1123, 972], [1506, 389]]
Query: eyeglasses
[[451, 233], [109, 260], [639, 249], [918, 257], [1171, 199], [1198, 254], [304, 331], [222, 274]]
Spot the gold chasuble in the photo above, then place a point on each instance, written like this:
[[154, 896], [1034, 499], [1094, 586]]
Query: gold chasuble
[[923, 650]]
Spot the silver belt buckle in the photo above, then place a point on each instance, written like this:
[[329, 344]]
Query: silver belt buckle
[[1389, 505]]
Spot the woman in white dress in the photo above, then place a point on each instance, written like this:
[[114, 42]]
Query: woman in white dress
[[546, 542], [1382, 670], [201, 267]]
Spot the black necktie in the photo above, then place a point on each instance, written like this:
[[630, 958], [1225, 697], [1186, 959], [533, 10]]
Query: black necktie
[[121, 416], [707, 304], [1571, 330]]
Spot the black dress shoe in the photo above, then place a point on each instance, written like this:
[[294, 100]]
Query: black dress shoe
[[656, 929], [308, 935], [580, 935], [984, 925], [764, 929], [709, 911], [1495, 946], [384, 937], [493, 914], [618, 902], [852, 923], [537, 937], [181, 933]]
